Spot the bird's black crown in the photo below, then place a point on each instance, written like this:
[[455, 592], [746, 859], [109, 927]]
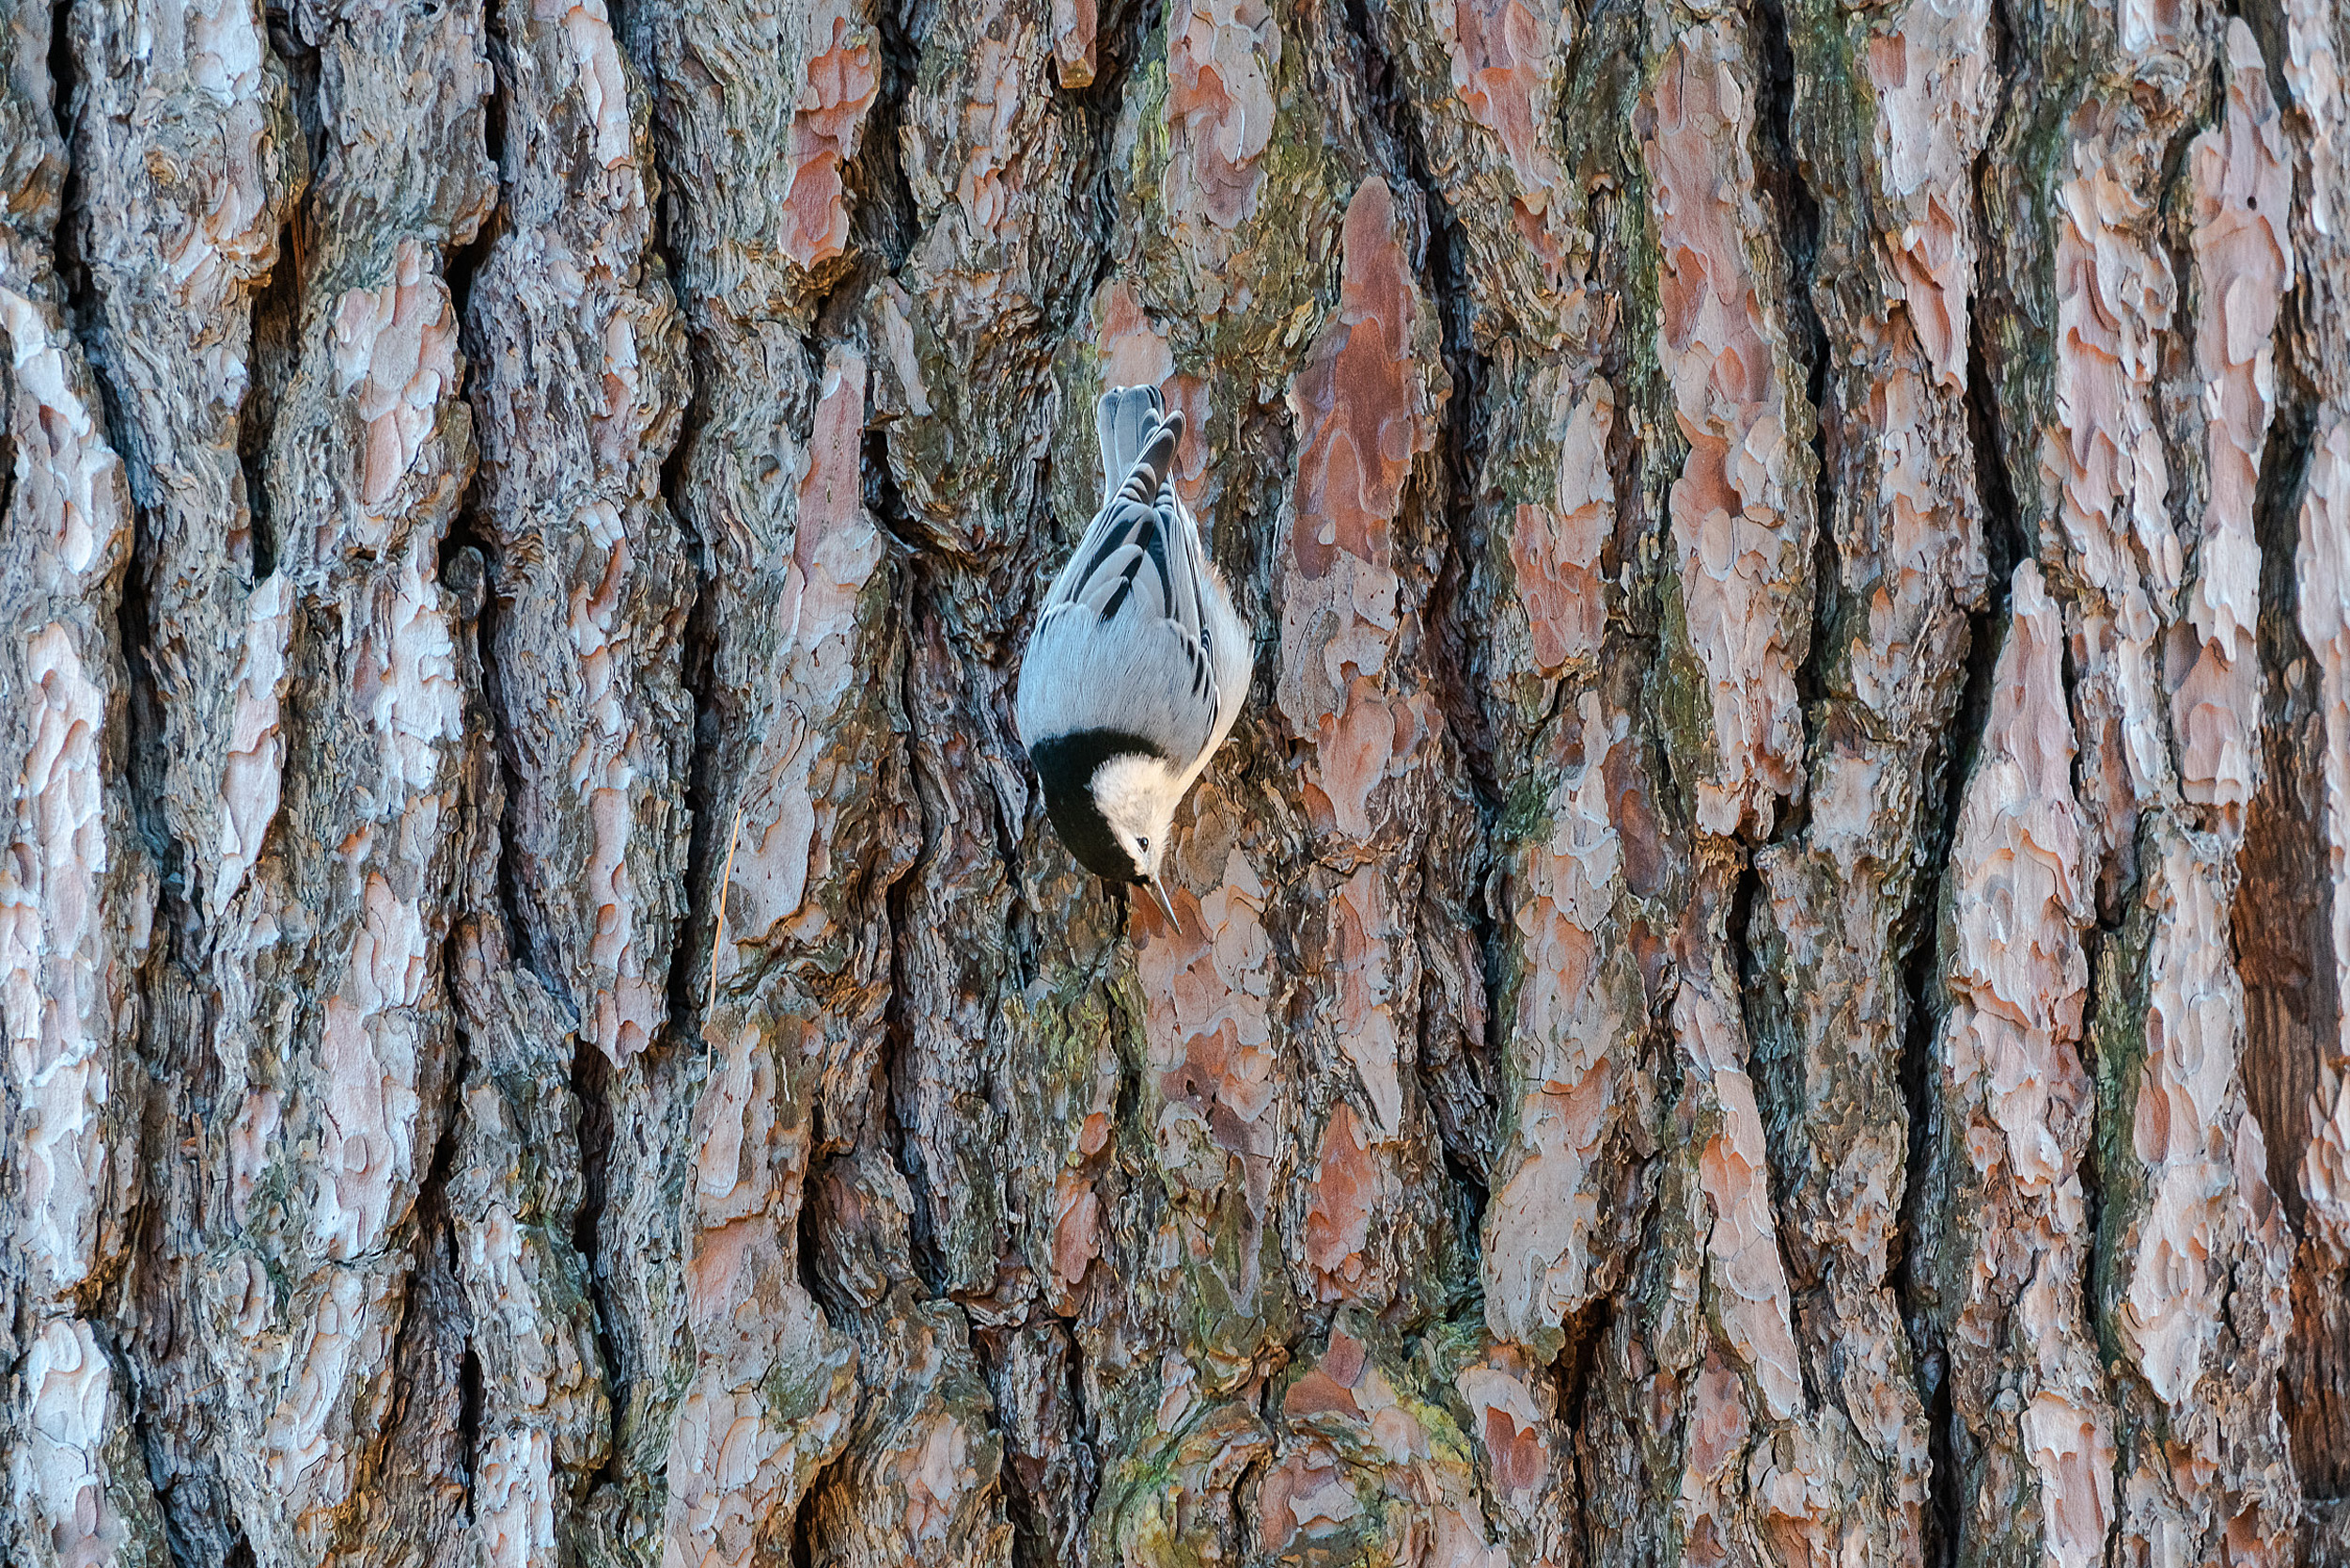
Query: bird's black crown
[[1066, 765]]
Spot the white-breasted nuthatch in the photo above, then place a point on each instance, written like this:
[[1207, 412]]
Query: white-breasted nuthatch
[[1138, 664]]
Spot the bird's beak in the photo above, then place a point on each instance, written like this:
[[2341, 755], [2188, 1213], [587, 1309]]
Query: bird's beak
[[1160, 893]]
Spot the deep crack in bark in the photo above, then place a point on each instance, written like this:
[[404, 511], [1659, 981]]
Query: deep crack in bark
[[1926, 999], [892, 1067], [1780, 172], [2281, 927]]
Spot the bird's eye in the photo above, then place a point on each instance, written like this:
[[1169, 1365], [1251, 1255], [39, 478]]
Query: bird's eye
[[1143, 844]]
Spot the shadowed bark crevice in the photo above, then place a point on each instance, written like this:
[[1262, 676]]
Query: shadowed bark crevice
[[1920, 936], [1459, 1138], [803, 1533], [2281, 923], [173, 1044], [274, 354], [63, 78], [77, 295], [77, 290], [467, 535], [1087, 1428], [143, 752], [893, 1069], [2282, 917], [1780, 169], [469, 1421], [1031, 1544], [706, 839], [884, 218], [1463, 1128], [592, 1091], [1752, 941], [882, 500], [2096, 995], [1757, 947], [1944, 1511], [300, 58], [7, 444], [1575, 1373], [694, 945], [467, 528], [436, 1247], [460, 264], [2180, 391]]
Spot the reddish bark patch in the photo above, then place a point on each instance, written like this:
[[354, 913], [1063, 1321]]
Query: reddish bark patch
[[1502, 49], [1362, 416], [1353, 400], [1221, 57], [1346, 1189], [1076, 1227], [841, 87]]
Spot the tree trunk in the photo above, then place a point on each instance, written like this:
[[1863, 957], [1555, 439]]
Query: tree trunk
[[1762, 981]]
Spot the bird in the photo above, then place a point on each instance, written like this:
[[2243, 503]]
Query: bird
[[1138, 665]]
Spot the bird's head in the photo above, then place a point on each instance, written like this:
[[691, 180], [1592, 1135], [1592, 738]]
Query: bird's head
[[1137, 796], [1113, 810]]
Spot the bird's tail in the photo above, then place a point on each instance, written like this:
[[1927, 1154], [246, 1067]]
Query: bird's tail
[[1135, 425]]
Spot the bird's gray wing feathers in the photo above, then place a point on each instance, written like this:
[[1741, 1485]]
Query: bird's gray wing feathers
[[1126, 552], [1227, 648], [1136, 632], [1130, 673]]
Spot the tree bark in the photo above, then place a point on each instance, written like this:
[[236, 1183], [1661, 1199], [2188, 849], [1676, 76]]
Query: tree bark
[[1762, 980]]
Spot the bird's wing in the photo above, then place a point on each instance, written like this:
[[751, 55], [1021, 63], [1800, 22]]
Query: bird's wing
[[1131, 673], [1128, 533], [1230, 650], [1129, 637]]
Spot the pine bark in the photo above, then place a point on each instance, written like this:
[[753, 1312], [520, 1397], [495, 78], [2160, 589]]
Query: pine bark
[[1762, 981]]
